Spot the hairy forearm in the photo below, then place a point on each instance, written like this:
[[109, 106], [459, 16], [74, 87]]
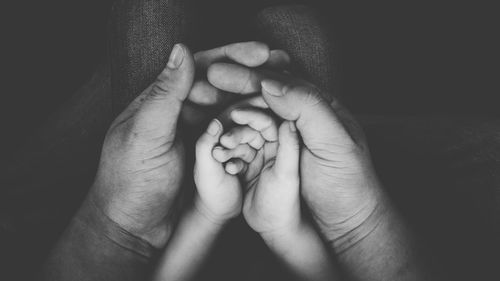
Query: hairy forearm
[[95, 248], [188, 248], [303, 252]]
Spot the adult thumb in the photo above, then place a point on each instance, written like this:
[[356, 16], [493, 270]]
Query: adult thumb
[[161, 103], [319, 126]]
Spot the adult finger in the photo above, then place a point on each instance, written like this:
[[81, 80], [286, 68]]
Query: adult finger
[[239, 79], [247, 55], [204, 93], [250, 54], [278, 60], [314, 117], [161, 104]]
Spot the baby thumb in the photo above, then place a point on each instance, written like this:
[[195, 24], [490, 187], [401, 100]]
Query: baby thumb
[[288, 155]]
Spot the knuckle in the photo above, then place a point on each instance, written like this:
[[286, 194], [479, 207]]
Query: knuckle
[[215, 73], [312, 95], [247, 153], [202, 142], [159, 90]]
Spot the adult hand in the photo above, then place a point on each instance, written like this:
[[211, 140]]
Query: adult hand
[[338, 181], [208, 97], [341, 189], [142, 161]]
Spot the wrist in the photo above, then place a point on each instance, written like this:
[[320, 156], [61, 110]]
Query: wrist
[[362, 226], [92, 220], [289, 232], [155, 230], [210, 218], [355, 217]]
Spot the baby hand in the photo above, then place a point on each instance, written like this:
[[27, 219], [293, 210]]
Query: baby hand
[[271, 179], [219, 195]]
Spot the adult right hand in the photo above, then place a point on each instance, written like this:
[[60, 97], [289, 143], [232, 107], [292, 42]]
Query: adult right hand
[[338, 181], [341, 188]]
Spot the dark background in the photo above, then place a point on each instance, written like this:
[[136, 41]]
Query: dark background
[[398, 57]]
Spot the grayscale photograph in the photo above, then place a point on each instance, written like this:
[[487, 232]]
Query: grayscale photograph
[[250, 140]]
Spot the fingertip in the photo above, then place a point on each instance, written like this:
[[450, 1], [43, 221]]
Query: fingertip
[[209, 139], [233, 78], [214, 73], [236, 115], [231, 168], [257, 53], [272, 87], [218, 154], [180, 58], [177, 76], [227, 141], [257, 143], [214, 128], [278, 59], [204, 93], [234, 167], [176, 56]]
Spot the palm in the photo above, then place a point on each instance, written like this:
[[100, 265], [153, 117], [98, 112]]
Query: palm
[[259, 201], [324, 184], [268, 206], [219, 192], [145, 172]]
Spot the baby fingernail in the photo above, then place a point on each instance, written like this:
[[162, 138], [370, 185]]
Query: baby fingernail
[[293, 128], [231, 168], [218, 152], [214, 127]]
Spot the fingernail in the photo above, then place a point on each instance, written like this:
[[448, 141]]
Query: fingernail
[[231, 168], [293, 128], [218, 154], [273, 88], [214, 127], [176, 57]]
